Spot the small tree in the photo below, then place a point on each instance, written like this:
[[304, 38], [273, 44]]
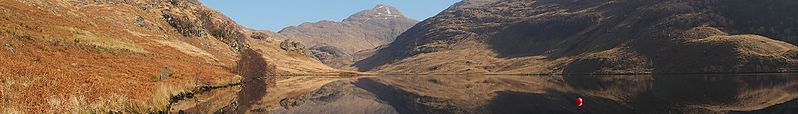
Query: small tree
[[165, 72]]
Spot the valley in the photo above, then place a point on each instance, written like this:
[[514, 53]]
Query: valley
[[476, 56]]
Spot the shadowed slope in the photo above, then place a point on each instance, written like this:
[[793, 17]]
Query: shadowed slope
[[594, 37]]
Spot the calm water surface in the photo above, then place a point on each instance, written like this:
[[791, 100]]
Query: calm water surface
[[728, 93], [744, 93], [498, 94]]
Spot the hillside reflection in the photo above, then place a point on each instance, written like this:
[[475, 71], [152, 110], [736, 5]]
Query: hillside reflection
[[761, 93]]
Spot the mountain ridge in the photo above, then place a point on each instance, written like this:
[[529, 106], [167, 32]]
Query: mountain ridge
[[336, 43], [562, 37]]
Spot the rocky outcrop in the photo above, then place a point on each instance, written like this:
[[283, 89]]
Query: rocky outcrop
[[8, 47], [598, 37], [221, 27], [364, 30], [331, 55], [261, 35], [183, 25], [201, 22], [292, 46]]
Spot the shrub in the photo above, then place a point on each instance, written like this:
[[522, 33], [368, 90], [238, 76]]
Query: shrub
[[165, 72]]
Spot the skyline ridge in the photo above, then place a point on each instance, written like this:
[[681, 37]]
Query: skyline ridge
[[275, 16]]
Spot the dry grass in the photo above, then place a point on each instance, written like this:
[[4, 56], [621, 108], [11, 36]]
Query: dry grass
[[289, 62], [752, 44], [93, 60], [87, 37], [471, 61], [81, 86], [188, 49]]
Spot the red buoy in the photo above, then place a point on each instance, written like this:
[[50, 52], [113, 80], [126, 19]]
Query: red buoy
[[579, 102]]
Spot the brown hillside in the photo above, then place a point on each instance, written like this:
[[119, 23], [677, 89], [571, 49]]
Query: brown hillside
[[595, 37], [338, 44], [79, 56]]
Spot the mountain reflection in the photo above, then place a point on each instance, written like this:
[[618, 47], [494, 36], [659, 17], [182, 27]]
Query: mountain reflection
[[688, 93], [761, 93]]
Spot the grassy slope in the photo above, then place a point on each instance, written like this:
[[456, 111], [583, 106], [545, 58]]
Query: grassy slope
[[62, 58]]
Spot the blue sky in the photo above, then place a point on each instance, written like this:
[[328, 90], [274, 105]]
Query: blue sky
[[274, 15]]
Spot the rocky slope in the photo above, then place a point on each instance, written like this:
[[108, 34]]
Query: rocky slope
[[597, 37], [337, 44], [96, 56]]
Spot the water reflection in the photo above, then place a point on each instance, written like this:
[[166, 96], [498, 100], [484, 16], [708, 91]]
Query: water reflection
[[769, 93], [689, 93], [761, 93], [723, 93]]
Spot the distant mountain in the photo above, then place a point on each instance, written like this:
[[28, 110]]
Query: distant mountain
[[597, 37], [335, 43]]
